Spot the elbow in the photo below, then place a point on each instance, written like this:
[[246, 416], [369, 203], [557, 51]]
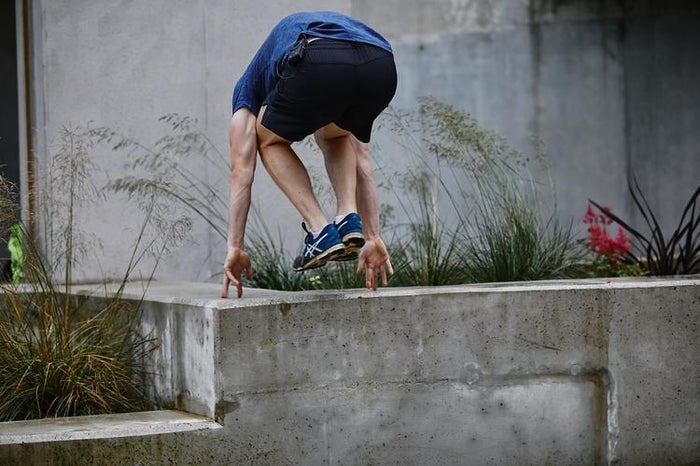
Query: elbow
[[243, 168]]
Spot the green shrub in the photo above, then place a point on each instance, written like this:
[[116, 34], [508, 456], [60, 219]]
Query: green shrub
[[61, 355], [492, 228], [428, 253], [58, 360]]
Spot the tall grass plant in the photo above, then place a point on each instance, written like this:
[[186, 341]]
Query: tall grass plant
[[468, 206], [62, 355], [491, 227]]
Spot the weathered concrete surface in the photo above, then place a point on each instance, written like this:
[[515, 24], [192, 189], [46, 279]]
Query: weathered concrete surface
[[158, 437], [655, 362], [536, 422], [609, 88], [584, 372]]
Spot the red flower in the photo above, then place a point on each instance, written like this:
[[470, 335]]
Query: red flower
[[600, 241]]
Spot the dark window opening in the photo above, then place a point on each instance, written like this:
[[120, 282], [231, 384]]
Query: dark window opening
[[9, 116]]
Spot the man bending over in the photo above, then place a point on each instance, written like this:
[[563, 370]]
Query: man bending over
[[327, 74]]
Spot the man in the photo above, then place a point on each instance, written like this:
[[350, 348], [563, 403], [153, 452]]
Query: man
[[330, 75]]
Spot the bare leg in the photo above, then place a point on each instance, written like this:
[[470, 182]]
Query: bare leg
[[290, 174], [341, 165]]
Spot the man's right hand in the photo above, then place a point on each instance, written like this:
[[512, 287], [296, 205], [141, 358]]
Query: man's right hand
[[237, 260]]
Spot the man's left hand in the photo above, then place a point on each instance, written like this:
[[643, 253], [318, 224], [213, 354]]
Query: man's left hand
[[374, 260]]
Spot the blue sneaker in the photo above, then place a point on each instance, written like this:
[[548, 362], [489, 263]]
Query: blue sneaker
[[317, 251], [350, 231]]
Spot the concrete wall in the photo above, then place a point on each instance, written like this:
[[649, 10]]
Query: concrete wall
[[608, 87], [587, 372]]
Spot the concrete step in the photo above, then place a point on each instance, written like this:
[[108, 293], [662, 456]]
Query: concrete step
[[102, 426]]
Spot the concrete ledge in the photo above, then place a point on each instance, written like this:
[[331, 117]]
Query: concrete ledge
[[103, 426]]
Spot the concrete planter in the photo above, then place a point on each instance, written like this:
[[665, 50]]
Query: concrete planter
[[577, 372]]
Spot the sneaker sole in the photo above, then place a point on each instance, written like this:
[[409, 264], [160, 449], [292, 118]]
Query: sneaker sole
[[354, 238], [353, 243], [320, 260]]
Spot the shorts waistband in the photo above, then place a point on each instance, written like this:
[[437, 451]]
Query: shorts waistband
[[337, 43], [323, 40]]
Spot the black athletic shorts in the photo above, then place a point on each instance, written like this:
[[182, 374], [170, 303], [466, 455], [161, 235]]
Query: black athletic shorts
[[330, 81]]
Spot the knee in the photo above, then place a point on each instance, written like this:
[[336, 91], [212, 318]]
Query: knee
[[326, 140], [266, 145]]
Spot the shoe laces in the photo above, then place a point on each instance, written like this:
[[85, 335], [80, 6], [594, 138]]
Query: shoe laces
[[309, 235]]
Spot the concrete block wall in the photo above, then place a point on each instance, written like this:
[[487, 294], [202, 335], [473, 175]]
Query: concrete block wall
[[584, 372], [538, 374]]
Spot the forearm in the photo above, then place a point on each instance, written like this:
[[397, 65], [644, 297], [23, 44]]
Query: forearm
[[373, 258], [239, 206], [366, 193], [243, 158]]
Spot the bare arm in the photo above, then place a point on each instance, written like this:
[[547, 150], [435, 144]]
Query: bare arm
[[243, 144], [374, 257]]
